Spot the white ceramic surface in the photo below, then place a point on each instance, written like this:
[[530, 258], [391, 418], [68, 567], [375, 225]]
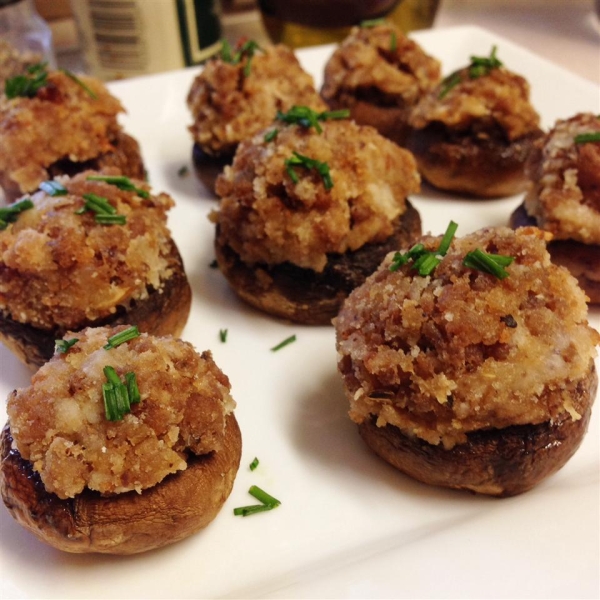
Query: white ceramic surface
[[349, 525]]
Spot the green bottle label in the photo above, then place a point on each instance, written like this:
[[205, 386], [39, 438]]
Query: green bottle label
[[199, 27]]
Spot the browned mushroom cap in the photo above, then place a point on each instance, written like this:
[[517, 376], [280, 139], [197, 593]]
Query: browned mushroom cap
[[496, 462], [128, 523], [161, 312], [484, 166], [582, 260], [303, 295]]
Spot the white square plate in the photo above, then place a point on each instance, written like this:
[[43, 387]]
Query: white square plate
[[349, 525]]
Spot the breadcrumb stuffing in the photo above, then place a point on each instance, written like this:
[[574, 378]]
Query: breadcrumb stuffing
[[382, 64], [60, 268], [58, 422], [511, 353], [267, 218], [62, 121], [229, 106], [564, 196], [500, 97]]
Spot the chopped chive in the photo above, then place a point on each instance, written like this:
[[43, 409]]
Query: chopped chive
[[27, 85], [254, 464], [372, 22], [284, 343], [111, 375], [271, 135], [53, 188], [483, 65], [81, 84], [488, 263], [245, 511], [123, 336], [97, 204], [10, 213], [447, 239], [307, 117], [299, 160], [122, 182], [584, 138], [103, 219], [425, 261], [110, 402], [183, 171], [223, 335], [448, 83], [132, 388], [262, 496], [393, 42], [247, 50], [63, 346], [118, 396]]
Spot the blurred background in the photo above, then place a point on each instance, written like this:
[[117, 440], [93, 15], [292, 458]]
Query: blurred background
[[564, 31]]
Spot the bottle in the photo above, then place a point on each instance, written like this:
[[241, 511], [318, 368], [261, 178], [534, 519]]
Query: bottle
[[125, 38], [25, 34], [298, 23]]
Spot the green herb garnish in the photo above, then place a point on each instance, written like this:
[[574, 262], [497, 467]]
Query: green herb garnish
[[246, 50], [53, 188], [307, 117], [425, 261], [448, 83], [254, 464], [267, 503], [299, 160], [122, 182], [183, 171], [63, 346], [271, 135], [584, 138], [81, 84], [10, 213], [105, 213], [393, 42], [479, 66], [27, 85], [123, 336], [118, 396], [483, 65], [223, 335], [284, 343], [488, 263], [372, 22]]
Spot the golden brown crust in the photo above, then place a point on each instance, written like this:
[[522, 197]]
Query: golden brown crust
[[474, 137], [229, 106], [496, 462], [267, 217], [379, 75], [163, 311], [128, 523], [61, 123], [460, 351], [582, 260], [564, 195], [63, 271], [303, 295], [443, 366]]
